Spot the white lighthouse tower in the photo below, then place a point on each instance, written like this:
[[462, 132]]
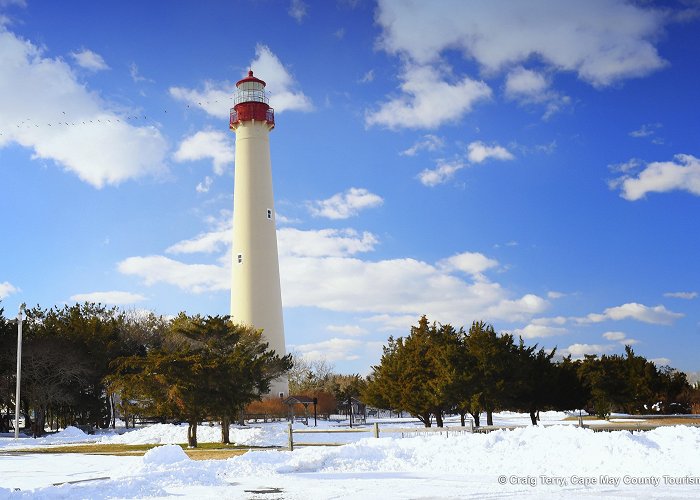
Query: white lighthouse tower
[[256, 297]]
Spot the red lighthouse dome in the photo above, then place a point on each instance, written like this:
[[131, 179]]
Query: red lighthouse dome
[[251, 103]]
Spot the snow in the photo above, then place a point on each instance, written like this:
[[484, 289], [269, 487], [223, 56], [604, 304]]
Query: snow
[[165, 455], [554, 461]]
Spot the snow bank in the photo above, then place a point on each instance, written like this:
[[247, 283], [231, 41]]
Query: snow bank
[[503, 463], [164, 455]]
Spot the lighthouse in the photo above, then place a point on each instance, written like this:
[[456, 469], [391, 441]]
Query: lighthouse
[[256, 298]]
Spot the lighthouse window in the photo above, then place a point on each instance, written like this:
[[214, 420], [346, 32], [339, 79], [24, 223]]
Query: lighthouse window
[[240, 258], [269, 214]]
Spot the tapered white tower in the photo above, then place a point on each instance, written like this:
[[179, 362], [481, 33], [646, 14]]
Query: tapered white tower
[[255, 289]]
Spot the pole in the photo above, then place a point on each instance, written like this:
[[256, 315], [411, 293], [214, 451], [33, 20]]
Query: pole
[[19, 369]]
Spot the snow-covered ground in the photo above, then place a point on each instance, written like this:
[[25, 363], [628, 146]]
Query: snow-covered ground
[[558, 461]]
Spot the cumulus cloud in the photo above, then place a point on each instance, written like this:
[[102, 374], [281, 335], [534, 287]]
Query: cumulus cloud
[[78, 131], [468, 262], [614, 335], [601, 41], [113, 297], [681, 295], [579, 350], [208, 144], [203, 243], [661, 361], [478, 152], [345, 205], [194, 278], [443, 172], [620, 337], [320, 269], [429, 142], [335, 349], [7, 289], [324, 242], [87, 59], [350, 330], [657, 315], [680, 174], [525, 83], [216, 97], [533, 331], [428, 100]]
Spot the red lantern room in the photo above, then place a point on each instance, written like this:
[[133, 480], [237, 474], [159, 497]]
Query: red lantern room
[[251, 103]]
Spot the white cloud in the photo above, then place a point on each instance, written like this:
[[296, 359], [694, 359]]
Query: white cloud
[[579, 350], [345, 205], [478, 152], [429, 142], [428, 100], [297, 10], [319, 269], [89, 60], [280, 82], [195, 278], [533, 331], [442, 173], [682, 295], [525, 83], [555, 295], [324, 242], [204, 243], [351, 330], [205, 144], [468, 262], [601, 41], [205, 185], [682, 174], [7, 289], [113, 297], [620, 337], [334, 349], [531, 87], [84, 136], [657, 315], [615, 336], [216, 98], [661, 361]]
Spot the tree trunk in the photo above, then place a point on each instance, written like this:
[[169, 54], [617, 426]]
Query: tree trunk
[[489, 417], [225, 422], [425, 418], [438, 419], [461, 419], [475, 416], [533, 417], [192, 434]]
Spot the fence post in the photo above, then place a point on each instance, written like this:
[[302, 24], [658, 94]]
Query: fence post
[[291, 438], [471, 426], [376, 429]]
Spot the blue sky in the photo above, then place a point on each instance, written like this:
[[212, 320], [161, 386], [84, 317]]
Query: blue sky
[[531, 164]]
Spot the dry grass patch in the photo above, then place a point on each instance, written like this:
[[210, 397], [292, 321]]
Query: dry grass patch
[[205, 451]]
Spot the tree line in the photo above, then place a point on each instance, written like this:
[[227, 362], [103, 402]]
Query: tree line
[[85, 364], [438, 370]]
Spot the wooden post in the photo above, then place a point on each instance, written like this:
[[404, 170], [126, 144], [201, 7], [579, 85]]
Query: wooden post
[[471, 425], [291, 438], [376, 429]]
